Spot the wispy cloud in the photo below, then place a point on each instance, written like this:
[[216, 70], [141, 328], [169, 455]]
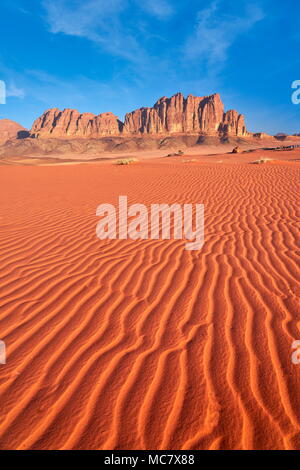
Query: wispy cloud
[[13, 91], [159, 8], [217, 31], [79, 18]]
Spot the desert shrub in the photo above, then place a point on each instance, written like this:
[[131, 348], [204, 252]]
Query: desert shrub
[[261, 161]]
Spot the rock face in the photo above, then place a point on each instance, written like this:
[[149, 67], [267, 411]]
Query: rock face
[[11, 130], [175, 115], [70, 123]]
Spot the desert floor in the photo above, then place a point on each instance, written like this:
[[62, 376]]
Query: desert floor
[[141, 344]]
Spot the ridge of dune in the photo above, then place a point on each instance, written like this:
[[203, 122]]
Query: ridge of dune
[[167, 116]]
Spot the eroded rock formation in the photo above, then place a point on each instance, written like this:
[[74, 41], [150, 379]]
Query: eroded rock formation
[[70, 123]]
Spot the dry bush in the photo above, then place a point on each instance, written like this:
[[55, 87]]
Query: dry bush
[[126, 161], [261, 161]]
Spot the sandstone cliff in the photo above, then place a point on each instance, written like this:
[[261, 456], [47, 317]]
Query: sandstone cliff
[[70, 123], [11, 130], [185, 115], [175, 115]]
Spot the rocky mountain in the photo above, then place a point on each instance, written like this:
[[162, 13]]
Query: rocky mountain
[[70, 123], [11, 130], [175, 115], [185, 115]]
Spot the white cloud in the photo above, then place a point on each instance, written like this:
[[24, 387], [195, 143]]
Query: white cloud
[[101, 22], [10, 78], [216, 32], [159, 8], [96, 20]]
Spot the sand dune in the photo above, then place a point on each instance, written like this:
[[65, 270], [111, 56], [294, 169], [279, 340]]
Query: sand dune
[[141, 344]]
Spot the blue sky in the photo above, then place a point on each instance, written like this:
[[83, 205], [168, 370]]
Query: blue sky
[[119, 55]]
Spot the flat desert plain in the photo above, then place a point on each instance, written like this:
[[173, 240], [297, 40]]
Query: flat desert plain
[[123, 344]]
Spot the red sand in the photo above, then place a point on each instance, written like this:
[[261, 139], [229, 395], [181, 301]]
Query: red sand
[[142, 344]]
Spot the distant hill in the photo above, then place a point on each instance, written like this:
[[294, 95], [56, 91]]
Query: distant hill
[[11, 130]]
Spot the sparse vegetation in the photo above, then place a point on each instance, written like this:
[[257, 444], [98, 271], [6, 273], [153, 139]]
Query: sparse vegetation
[[126, 161], [176, 154], [261, 161]]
